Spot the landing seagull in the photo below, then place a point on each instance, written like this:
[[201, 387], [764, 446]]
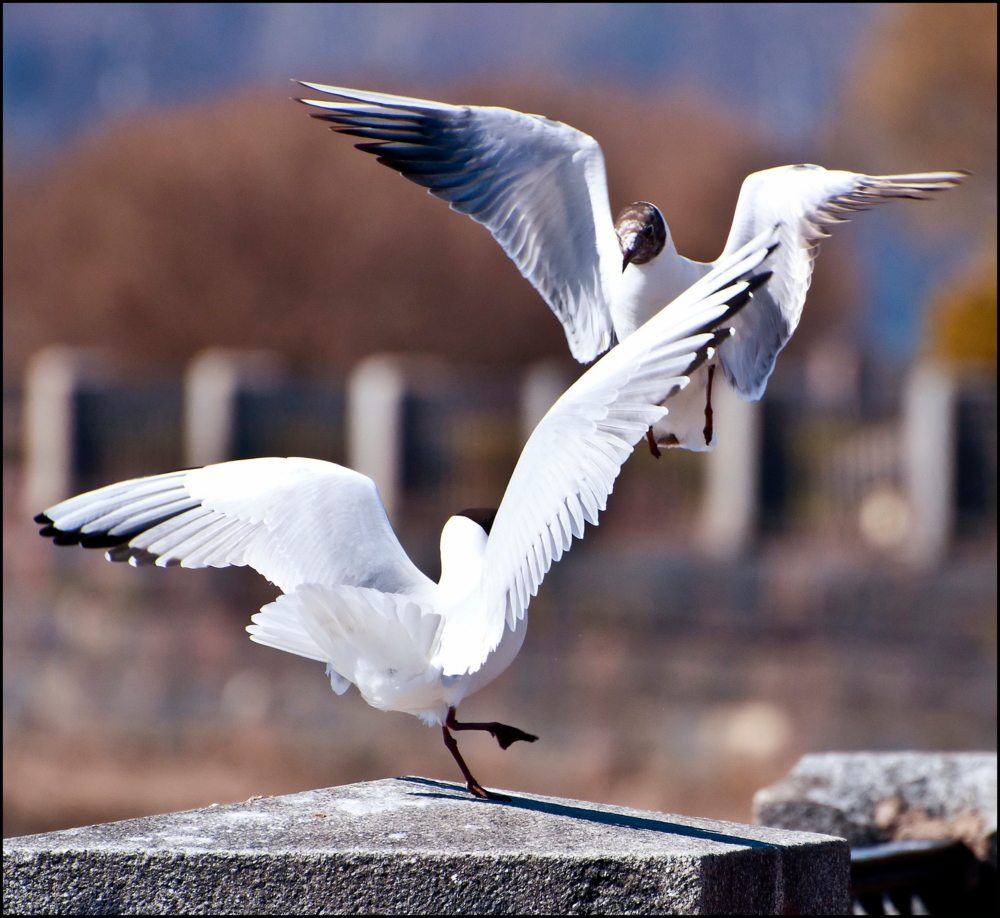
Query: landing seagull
[[539, 187], [351, 598]]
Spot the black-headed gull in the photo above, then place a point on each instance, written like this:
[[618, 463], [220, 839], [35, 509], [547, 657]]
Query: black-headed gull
[[539, 187], [351, 596]]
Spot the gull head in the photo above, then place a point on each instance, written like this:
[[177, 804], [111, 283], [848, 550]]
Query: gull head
[[463, 546], [642, 233], [484, 516]]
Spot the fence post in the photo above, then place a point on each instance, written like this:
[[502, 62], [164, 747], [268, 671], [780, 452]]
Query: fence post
[[730, 495], [542, 384], [51, 381], [212, 381], [929, 461], [375, 391]]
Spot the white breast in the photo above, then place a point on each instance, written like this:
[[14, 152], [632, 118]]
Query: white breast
[[643, 290]]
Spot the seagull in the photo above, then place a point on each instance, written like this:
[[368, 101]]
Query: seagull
[[351, 597], [539, 186]]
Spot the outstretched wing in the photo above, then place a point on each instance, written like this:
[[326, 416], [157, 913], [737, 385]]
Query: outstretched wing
[[569, 465], [803, 199], [295, 521], [538, 186]]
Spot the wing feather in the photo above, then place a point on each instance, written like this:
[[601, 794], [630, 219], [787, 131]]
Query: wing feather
[[805, 200], [538, 186], [295, 521]]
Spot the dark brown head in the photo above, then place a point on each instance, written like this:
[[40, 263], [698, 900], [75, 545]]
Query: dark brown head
[[642, 233], [482, 515]]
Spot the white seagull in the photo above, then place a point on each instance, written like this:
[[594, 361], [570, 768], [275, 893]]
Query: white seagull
[[539, 187], [351, 597]]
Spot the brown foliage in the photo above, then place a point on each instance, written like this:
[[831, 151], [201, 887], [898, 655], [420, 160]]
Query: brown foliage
[[923, 96], [929, 80], [245, 223], [962, 325]]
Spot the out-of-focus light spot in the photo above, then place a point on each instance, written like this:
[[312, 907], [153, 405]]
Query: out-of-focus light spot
[[756, 730], [247, 696], [832, 374], [884, 518]]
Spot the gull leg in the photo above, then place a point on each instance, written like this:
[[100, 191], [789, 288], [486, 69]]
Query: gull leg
[[475, 788], [502, 733], [708, 431], [651, 440]]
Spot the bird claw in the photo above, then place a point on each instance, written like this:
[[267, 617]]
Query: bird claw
[[507, 736], [502, 733], [651, 440], [709, 431], [482, 793]]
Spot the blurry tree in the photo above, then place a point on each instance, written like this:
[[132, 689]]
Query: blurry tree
[[246, 223], [963, 320], [923, 96]]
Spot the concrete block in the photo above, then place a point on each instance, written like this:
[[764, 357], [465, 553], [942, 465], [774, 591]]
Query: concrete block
[[416, 846], [872, 798]]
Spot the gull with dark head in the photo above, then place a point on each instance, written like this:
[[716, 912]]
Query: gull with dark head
[[539, 187], [351, 598]]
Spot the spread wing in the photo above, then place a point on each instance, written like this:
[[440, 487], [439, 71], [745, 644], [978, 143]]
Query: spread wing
[[569, 465], [538, 186], [804, 200], [295, 521]]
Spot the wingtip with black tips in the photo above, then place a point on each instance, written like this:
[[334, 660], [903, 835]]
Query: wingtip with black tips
[[758, 280], [738, 300]]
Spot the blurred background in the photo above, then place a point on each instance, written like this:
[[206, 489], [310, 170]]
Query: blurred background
[[194, 271]]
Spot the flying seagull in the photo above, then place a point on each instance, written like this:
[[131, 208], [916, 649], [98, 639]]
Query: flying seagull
[[539, 187], [351, 597]]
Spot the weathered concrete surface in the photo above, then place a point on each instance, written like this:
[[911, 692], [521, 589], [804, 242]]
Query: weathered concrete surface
[[411, 845], [875, 797]]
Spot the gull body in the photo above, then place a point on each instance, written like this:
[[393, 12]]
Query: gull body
[[351, 597], [540, 187]]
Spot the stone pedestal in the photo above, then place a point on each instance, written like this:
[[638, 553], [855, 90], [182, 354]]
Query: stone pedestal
[[872, 798], [416, 846]]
